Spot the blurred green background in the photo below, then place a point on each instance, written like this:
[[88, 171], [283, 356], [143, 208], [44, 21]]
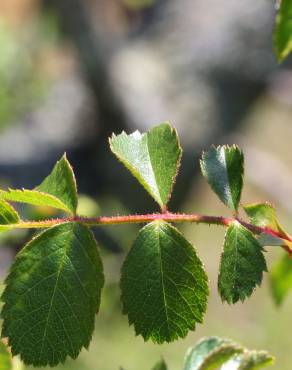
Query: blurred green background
[[72, 72]]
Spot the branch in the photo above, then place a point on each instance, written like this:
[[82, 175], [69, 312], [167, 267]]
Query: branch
[[140, 219]]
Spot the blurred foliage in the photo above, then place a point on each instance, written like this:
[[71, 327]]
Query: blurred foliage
[[23, 81], [138, 4]]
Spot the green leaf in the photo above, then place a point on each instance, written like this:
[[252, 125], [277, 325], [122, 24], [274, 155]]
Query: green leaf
[[249, 360], [58, 190], [210, 353], [153, 158], [281, 279], [242, 264], [161, 365], [61, 184], [223, 167], [5, 358], [8, 215], [52, 294], [283, 30], [264, 215], [164, 286]]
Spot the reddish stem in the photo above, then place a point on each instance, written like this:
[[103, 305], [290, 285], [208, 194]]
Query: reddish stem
[[168, 216]]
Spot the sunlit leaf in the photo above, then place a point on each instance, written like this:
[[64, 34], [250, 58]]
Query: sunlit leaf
[[8, 215], [58, 190], [210, 353], [264, 215], [153, 158], [223, 167], [283, 30], [249, 360]]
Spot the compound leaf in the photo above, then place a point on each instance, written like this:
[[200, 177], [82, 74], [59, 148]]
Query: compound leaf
[[161, 365], [58, 190], [223, 167], [242, 264], [5, 358], [52, 294], [153, 158], [281, 279], [249, 360], [210, 353], [283, 30], [164, 286]]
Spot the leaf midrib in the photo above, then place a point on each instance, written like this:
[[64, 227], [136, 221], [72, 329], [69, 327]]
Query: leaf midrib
[[54, 292], [162, 278], [160, 201]]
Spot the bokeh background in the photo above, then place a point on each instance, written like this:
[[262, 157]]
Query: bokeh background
[[74, 71]]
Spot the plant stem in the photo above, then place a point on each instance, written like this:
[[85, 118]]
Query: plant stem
[[168, 216]]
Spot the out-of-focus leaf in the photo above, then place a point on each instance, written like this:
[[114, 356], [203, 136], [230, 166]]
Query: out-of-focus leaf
[[209, 353], [223, 167], [164, 286], [5, 358], [249, 360], [161, 365], [283, 30], [281, 279]]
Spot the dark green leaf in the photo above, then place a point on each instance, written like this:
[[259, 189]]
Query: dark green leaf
[[249, 360], [161, 365], [61, 184], [223, 168], [58, 190], [283, 30], [153, 158], [210, 353], [8, 215], [242, 264], [52, 294], [5, 358], [164, 286], [281, 279]]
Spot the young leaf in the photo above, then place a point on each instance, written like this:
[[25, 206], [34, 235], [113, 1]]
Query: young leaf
[[5, 358], [210, 353], [58, 190], [164, 286], [161, 365], [283, 30], [153, 158], [281, 279], [61, 184], [223, 168], [8, 215], [52, 294], [264, 215], [242, 264], [249, 360]]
